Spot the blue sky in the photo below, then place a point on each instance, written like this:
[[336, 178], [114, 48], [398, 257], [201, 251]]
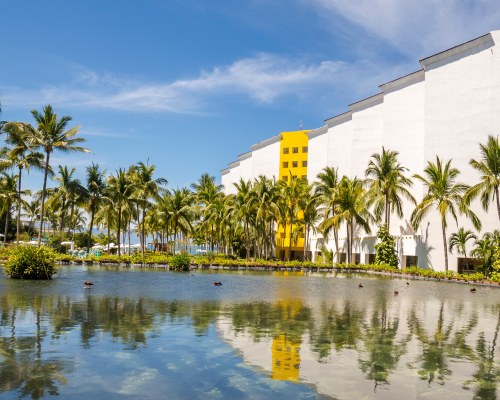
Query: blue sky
[[190, 84]]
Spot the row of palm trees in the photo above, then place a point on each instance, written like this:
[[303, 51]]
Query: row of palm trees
[[134, 199]]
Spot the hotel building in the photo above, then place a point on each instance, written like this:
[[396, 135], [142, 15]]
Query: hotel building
[[446, 108]]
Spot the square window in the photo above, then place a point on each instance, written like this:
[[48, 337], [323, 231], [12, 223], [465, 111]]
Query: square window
[[295, 164], [304, 176], [295, 150], [304, 149], [304, 163], [286, 150], [285, 164], [282, 234], [285, 178]]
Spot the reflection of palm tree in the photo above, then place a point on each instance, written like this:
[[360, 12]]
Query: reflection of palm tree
[[382, 349], [434, 360], [487, 375]]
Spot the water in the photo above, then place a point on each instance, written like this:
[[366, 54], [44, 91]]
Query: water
[[146, 334]]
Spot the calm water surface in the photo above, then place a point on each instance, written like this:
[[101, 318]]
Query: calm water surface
[[144, 334]]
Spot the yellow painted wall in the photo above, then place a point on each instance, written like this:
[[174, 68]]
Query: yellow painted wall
[[286, 359], [293, 162]]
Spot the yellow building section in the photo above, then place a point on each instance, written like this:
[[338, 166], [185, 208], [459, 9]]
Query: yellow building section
[[293, 162]]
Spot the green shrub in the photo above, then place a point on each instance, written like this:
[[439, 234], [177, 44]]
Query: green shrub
[[180, 262], [386, 248], [30, 262]]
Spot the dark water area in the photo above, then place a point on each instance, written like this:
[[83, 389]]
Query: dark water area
[[154, 334]]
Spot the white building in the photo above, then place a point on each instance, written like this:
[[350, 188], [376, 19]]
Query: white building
[[445, 109]]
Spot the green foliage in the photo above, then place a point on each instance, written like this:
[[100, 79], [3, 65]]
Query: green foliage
[[30, 262], [180, 262], [327, 255], [81, 240], [495, 274], [386, 248]]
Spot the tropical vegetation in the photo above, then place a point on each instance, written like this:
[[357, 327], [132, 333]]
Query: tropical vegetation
[[260, 218]]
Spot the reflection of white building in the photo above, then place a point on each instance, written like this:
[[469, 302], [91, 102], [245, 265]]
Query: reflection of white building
[[446, 108]]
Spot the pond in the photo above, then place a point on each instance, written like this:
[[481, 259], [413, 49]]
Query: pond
[[152, 334]]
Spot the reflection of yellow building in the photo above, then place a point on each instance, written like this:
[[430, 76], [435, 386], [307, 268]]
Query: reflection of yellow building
[[286, 359], [293, 162], [285, 350]]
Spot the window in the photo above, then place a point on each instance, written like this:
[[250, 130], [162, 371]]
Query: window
[[295, 150], [285, 164], [286, 150], [282, 235], [285, 178], [304, 163], [295, 164], [304, 176], [304, 149]]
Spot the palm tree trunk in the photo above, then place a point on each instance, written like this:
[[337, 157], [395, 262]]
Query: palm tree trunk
[[445, 246], [118, 230], [348, 249], [44, 190], [89, 239], [336, 240], [143, 237], [18, 222], [498, 201], [129, 221], [6, 223]]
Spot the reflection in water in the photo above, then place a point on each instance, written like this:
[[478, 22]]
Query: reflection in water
[[345, 346]]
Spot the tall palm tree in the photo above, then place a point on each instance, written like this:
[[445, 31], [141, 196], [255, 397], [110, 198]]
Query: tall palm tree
[[119, 192], [326, 189], [146, 189], [68, 190], [21, 156], [267, 196], [9, 195], [489, 167], [181, 212], [51, 135], [207, 192], [446, 195], [292, 204], [388, 185], [351, 208], [459, 241], [243, 206], [96, 187], [311, 217]]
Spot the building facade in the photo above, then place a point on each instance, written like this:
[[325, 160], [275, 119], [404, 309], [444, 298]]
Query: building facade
[[445, 109]]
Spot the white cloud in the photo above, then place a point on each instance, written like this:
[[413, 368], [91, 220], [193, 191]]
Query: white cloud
[[417, 28], [263, 78]]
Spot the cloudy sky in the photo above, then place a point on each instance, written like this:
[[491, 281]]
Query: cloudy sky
[[190, 84]]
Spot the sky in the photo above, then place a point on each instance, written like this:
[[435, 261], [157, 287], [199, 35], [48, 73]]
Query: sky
[[188, 85]]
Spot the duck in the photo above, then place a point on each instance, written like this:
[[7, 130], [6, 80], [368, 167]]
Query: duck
[[407, 283], [88, 283], [360, 285], [396, 293], [473, 290], [218, 283]]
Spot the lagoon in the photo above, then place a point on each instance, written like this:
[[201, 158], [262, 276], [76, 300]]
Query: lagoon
[[152, 334]]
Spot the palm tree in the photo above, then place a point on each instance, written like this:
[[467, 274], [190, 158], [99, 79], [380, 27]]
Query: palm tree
[[243, 206], [51, 135], [207, 193], [447, 197], [119, 193], [292, 204], [326, 189], [311, 217], [266, 211], [388, 184], [67, 192], [9, 194], [459, 241], [96, 187], [489, 167], [351, 208], [485, 250], [21, 156], [180, 210], [146, 188]]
